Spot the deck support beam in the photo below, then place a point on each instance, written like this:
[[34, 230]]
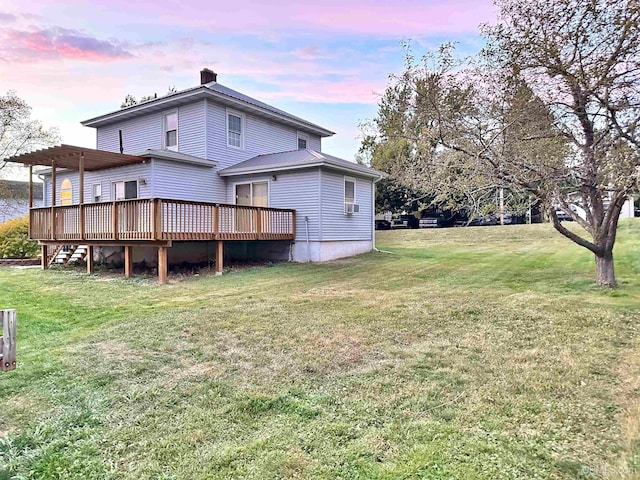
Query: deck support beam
[[219, 257], [162, 265], [30, 196], [53, 201], [90, 259], [43, 256], [81, 194], [128, 261]]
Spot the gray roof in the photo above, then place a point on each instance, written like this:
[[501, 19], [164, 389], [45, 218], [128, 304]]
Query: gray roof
[[177, 157], [294, 159], [215, 91]]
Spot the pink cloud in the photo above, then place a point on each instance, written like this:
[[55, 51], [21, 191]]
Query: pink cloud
[[57, 43], [378, 18]]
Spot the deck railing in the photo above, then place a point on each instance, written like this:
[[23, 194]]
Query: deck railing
[[158, 219]]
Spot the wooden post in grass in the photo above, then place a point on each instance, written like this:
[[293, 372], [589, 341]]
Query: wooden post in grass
[[128, 261], [162, 265], [8, 319], [44, 261], [90, 259], [219, 257]]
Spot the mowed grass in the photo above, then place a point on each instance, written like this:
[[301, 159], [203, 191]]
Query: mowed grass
[[470, 353]]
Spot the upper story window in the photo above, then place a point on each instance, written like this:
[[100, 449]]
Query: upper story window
[[171, 131], [235, 129], [302, 141]]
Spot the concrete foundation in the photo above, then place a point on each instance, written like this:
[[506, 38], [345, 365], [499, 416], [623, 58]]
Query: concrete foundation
[[325, 251], [259, 251]]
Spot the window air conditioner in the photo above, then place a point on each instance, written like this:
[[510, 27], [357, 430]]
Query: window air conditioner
[[350, 208]]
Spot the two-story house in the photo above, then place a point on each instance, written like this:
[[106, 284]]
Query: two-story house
[[206, 164]]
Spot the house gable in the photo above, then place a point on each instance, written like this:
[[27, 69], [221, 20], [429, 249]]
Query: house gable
[[203, 132]]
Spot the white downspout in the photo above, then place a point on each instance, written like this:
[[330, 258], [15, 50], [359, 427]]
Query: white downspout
[[306, 226]]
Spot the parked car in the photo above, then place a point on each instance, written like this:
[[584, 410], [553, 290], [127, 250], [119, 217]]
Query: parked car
[[478, 221], [405, 221], [383, 225], [434, 221], [563, 217]]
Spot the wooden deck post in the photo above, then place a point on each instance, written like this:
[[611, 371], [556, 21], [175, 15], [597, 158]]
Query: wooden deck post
[[90, 259], [30, 186], [53, 200], [30, 196], [154, 219], [43, 257], [128, 261], [162, 265], [216, 221], [114, 218], [258, 223], [81, 195], [219, 257], [293, 224]]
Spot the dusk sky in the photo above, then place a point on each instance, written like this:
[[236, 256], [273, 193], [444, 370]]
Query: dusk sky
[[327, 61]]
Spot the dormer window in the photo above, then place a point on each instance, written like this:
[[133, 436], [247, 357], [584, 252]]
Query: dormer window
[[302, 141], [171, 131], [235, 129]]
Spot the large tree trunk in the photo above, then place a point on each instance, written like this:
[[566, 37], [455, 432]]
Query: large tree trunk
[[605, 275]]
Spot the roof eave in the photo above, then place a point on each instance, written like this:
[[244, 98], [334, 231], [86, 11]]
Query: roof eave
[[181, 158], [276, 168], [202, 90], [113, 116]]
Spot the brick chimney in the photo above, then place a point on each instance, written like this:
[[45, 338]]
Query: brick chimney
[[207, 76]]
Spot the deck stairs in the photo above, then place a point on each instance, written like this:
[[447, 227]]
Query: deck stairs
[[69, 253]]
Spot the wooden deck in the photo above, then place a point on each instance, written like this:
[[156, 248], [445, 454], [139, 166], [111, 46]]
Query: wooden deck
[[158, 220]]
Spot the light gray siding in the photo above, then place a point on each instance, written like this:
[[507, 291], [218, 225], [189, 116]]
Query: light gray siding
[[146, 132], [202, 132], [335, 224], [297, 189], [261, 136], [138, 134], [187, 182], [315, 143], [105, 178], [191, 129]]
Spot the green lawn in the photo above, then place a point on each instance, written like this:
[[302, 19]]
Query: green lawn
[[467, 353]]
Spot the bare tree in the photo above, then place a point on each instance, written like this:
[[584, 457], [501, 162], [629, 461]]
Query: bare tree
[[19, 133], [550, 109], [130, 100]]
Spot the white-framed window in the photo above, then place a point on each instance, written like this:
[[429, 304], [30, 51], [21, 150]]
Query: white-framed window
[[303, 141], [96, 192], [350, 196], [235, 129], [171, 131], [254, 194], [349, 190], [125, 190]]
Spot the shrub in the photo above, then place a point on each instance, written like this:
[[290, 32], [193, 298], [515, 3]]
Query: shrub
[[14, 239]]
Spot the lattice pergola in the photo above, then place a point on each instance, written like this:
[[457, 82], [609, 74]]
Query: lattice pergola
[[71, 157]]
